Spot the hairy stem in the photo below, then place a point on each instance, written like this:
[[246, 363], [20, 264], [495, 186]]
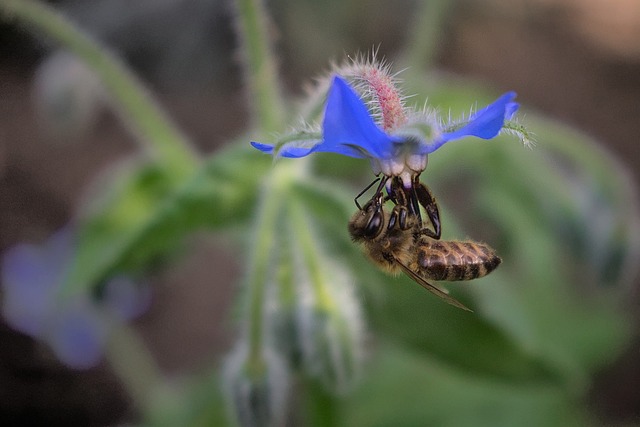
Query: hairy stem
[[424, 36], [265, 97], [263, 254], [308, 249]]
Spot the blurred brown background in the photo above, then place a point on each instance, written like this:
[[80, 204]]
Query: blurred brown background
[[575, 60]]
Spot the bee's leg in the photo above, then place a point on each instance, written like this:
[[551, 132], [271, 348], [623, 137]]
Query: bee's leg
[[399, 216], [429, 204], [414, 206], [396, 192], [402, 196]]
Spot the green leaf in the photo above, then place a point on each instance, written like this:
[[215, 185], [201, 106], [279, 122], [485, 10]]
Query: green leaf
[[466, 341], [145, 215], [405, 388]]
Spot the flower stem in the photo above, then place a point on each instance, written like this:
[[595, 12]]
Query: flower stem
[[308, 245], [156, 132], [425, 33], [263, 251], [264, 91], [134, 366]]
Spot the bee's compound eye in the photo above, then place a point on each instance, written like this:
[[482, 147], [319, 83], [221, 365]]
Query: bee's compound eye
[[368, 206], [374, 226]]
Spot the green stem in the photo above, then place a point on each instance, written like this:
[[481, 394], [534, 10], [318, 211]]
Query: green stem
[[302, 230], [157, 133], [265, 96], [514, 127], [263, 251], [134, 366], [425, 33]]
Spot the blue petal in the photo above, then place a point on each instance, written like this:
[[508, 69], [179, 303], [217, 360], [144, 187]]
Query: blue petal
[[510, 109], [484, 124], [265, 148], [349, 129], [293, 152], [78, 335], [30, 277]]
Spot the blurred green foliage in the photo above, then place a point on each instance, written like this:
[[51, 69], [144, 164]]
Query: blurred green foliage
[[563, 216]]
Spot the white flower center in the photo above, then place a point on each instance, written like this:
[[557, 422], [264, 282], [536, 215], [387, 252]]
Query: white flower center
[[405, 166]]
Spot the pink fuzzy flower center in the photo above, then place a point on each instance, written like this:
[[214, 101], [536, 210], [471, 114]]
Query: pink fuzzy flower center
[[387, 96]]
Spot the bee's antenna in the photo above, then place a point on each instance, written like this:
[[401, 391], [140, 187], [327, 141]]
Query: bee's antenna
[[377, 193]]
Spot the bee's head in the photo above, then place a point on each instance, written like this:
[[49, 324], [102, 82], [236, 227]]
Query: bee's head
[[367, 223]]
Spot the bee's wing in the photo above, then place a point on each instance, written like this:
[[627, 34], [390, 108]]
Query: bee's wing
[[432, 288]]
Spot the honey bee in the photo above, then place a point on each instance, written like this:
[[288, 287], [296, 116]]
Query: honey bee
[[397, 241]]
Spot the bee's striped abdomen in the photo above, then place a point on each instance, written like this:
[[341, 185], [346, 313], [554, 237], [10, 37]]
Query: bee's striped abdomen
[[454, 260]]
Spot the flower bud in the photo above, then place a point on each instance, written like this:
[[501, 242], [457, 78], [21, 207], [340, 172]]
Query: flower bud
[[67, 96], [256, 387], [331, 330]]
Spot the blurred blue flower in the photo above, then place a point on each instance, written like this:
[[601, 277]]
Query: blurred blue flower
[[349, 129], [75, 327]]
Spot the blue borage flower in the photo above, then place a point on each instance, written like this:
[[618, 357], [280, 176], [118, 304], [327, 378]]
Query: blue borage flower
[[349, 129], [76, 328]]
